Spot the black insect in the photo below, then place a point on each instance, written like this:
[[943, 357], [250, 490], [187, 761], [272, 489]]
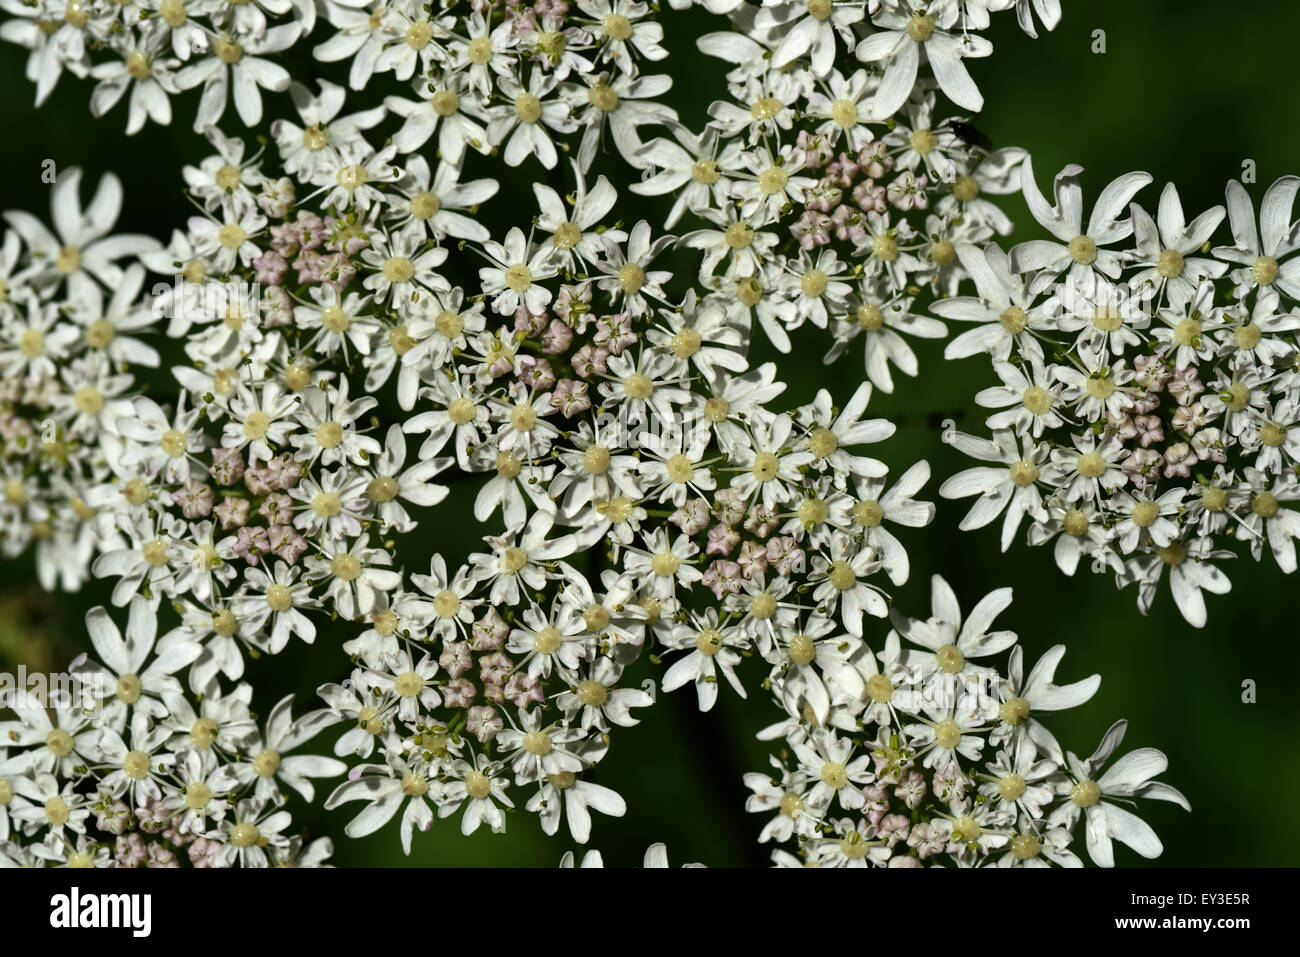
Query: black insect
[[969, 135]]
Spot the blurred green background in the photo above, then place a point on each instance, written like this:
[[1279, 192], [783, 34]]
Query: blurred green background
[[1188, 90]]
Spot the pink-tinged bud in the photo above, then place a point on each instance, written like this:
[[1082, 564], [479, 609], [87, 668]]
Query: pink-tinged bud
[[459, 693], [570, 397], [270, 268], [194, 499], [692, 518], [484, 722], [752, 559], [722, 578], [523, 690], [556, 338], [277, 509], [529, 324], [251, 543], [258, 480], [286, 543], [455, 659], [227, 466], [589, 361], [232, 512], [536, 373], [495, 668]]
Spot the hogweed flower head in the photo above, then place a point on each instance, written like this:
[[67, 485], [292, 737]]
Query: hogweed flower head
[[361, 319], [1147, 409]]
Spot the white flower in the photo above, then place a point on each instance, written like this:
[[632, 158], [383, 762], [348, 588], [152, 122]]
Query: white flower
[[1167, 245], [1261, 251], [1129, 777], [133, 687], [1005, 309], [576, 798], [303, 149], [514, 277], [149, 77], [1082, 250], [1190, 573], [950, 640], [715, 647], [1011, 485], [815, 26], [238, 66], [907, 30], [575, 236], [526, 117], [80, 246], [477, 785], [357, 575]]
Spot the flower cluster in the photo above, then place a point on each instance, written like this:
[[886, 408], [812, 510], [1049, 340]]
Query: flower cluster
[[1146, 415], [73, 324], [157, 49], [355, 328], [127, 771], [926, 753]]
